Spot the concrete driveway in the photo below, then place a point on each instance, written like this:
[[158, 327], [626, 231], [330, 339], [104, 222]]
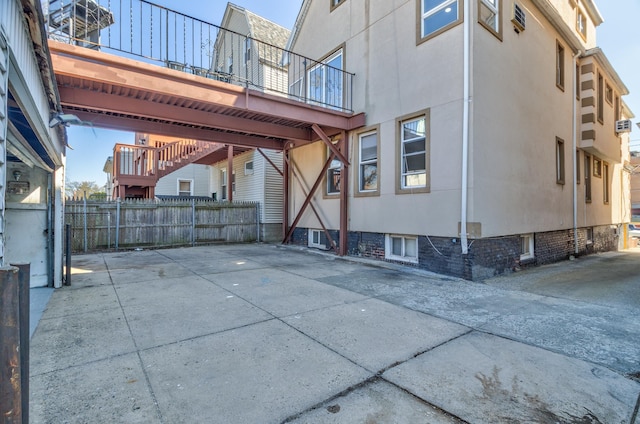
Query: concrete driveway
[[268, 334]]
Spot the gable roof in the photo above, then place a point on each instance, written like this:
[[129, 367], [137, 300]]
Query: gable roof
[[260, 28]]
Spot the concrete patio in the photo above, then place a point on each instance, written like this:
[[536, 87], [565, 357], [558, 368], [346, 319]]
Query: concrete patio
[[270, 334]]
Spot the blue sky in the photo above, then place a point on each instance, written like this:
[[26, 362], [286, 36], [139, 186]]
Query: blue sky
[[618, 37]]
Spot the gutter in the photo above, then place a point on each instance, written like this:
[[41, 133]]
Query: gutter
[[466, 106]]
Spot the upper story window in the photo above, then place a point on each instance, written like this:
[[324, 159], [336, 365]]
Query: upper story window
[[489, 15], [437, 16], [600, 98], [560, 65], [413, 153], [325, 81], [581, 23], [368, 162], [336, 3]]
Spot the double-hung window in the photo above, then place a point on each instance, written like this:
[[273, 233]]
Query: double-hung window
[[185, 188], [413, 153], [437, 16], [326, 81], [559, 161], [559, 65], [489, 15], [368, 162], [223, 184]]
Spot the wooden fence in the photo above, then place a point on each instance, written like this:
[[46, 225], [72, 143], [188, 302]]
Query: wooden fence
[[102, 225]]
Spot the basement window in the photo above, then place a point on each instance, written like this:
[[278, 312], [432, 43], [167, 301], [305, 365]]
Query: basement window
[[526, 246], [401, 248]]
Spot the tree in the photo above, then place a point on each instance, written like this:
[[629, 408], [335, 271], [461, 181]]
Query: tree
[[79, 190]]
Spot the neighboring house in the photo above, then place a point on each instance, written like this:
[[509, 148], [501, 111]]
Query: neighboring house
[[241, 60], [32, 146], [634, 168], [466, 164], [254, 179], [191, 180]]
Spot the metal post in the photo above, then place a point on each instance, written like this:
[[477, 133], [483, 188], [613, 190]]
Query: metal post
[[67, 279], [84, 216], [24, 283], [117, 222], [193, 222], [10, 378]]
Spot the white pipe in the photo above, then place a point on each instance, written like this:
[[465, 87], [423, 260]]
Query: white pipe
[[465, 126], [574, 136]]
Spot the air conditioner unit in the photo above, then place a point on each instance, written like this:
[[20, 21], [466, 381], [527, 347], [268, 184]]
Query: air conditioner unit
[[519, 18], [623, 126]]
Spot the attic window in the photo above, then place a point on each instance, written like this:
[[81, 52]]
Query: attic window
[[581, 23]]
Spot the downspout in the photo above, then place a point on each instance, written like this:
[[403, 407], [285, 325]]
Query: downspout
[[574, 136], [465, 126]]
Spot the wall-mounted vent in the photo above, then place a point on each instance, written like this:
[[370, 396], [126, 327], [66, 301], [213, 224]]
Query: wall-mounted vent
[[623, 126], [519, 18]]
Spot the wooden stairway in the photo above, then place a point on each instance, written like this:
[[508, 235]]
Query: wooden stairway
[[137, 168]]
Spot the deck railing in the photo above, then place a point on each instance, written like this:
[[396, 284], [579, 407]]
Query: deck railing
[[155, 34]]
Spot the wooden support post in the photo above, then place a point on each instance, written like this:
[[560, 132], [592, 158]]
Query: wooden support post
[[10, 359], [230, 173]]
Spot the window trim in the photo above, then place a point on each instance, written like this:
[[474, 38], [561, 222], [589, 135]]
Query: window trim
[[597, 167], [358, 137], [185, 180], [400, 258], [560, 161], [577, 166], [399, 121], [249, 170], [327, 152], [606, 192], [498, 13], [560, 68], [531, 253], [420, 38], [583, 32], [587, 178], [333, 4], [600, 98], [608, 93]]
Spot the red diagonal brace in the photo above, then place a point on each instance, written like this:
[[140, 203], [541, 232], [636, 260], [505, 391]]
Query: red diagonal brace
[[329, 144]]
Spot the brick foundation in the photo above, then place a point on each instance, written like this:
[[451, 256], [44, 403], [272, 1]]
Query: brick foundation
[[486, 257]]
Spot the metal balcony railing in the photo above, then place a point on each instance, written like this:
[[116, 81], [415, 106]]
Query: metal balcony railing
[[152, 33]]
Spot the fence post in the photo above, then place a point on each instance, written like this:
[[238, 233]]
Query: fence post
[[84, 214], [24, 283], [117, 222], [10, 376], [193, 222]]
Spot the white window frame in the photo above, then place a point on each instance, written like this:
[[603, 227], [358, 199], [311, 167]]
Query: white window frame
[[184, 180], [313, 235], [248, 167], [223, 184], [404, 172], [362, 163], [527, 246], [325, 83], [426, 14], [403, 256], [494, 7]]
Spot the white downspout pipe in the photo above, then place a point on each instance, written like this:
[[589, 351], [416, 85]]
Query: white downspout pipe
[[465, 126], [574, 137]]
